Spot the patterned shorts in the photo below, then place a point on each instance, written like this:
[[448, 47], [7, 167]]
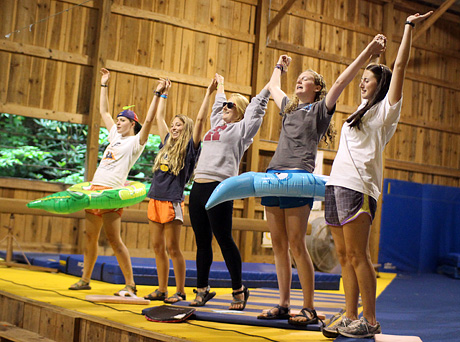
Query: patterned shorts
[[345, 205]]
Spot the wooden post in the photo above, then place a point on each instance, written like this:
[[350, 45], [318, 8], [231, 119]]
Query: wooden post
[[388, 30], [258, 82], [99, 61]]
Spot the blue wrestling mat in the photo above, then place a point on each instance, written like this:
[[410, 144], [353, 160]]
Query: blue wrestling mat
[[145, 272]]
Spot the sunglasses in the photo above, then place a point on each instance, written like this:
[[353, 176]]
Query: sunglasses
[[229, 105]]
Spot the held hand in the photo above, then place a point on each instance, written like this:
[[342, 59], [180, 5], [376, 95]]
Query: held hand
[[284, 61], [219, 79], [417, 17], [212, 86], [105, 76], [378, 45], [167, 86]]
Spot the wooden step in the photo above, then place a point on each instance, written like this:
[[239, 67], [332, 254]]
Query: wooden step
[[10, 332]]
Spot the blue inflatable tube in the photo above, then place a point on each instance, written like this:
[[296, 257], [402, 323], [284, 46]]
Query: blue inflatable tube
[[257, 184]]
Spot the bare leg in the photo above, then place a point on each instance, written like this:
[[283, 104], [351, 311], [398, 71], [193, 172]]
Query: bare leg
[[296, 221], [161, 257], [276, 225], [356, 235], [92, 232], [112, 228], [172, 233], [350, 282]]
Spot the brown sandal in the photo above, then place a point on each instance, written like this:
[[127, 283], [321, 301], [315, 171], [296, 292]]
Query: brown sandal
[[177, 297]]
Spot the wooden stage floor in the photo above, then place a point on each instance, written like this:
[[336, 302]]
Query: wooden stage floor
[[40, 303]]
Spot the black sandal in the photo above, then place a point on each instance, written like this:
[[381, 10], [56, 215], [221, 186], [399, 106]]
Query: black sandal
[[281, 313], [175, 298], [238, 301], [303, 313], [156, 295], [204, 295]]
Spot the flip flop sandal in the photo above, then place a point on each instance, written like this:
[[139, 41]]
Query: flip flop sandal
[[303, 313], [239, 301], [177, 297], [156, 295], [127, 291], [80, 285], [281, 313], [205, 296]]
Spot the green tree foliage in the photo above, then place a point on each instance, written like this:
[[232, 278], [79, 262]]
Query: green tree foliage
[[55, 151]]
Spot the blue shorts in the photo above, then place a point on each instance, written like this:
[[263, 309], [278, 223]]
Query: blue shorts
[[286, 202]]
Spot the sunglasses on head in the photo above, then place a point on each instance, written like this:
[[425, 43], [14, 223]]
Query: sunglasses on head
[[229, 105]]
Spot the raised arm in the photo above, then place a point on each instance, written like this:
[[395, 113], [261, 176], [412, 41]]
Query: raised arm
[[375, 47], [203, 112], [104, 100], [145, 130], [161, 123], [274, 85], [402, 58]]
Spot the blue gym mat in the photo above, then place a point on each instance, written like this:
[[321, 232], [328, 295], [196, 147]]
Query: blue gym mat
[[106, 269]]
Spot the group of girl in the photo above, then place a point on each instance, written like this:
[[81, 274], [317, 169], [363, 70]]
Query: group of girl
[[353, 188]]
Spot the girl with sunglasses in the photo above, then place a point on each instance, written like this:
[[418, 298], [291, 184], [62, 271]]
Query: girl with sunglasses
[[172, 169], [127, 138], [233, 125], [355, 184], [305, 121]]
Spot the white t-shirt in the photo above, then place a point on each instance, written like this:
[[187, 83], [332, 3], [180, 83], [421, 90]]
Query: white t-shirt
[[359, 162], [118, 159]]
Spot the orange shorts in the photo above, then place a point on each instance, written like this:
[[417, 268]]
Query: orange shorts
[[100, 212], [165, 211]]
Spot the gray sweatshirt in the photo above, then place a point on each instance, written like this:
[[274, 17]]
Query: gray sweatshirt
[[225, 143]]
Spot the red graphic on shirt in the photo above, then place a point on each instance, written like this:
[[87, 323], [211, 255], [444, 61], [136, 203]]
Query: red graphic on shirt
[[214, 134]]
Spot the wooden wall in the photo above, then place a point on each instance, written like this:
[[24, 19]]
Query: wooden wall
[[52, 71]]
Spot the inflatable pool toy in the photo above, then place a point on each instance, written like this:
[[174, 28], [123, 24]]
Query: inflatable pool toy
[[258, 184], [77, 197]]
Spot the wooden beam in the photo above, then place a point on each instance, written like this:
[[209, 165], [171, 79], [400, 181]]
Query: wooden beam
[[41, 113], [18, 206], [432, 19], [422, 168], [303, 50], [184, 23], [99, 61], [38, 51], [320, 18], [282, 12], [173, 76], [426, 25]]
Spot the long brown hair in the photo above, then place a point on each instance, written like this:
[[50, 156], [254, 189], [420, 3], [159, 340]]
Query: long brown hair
[[383, 75], [174, 150], [294, 103]]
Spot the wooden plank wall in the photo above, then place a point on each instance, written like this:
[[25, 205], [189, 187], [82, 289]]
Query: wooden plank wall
[[51, 72]]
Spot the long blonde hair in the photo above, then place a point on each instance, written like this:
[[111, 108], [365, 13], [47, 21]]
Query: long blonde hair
[[174, 150], [294, 103], [241, 103]]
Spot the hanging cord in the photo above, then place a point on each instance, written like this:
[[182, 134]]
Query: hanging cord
[[44, 19]]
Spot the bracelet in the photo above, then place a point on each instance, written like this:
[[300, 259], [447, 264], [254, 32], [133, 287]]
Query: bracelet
[[104, 85], [219, 85], [279, 66], [157, 93], [164, 96], [409, 23]]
